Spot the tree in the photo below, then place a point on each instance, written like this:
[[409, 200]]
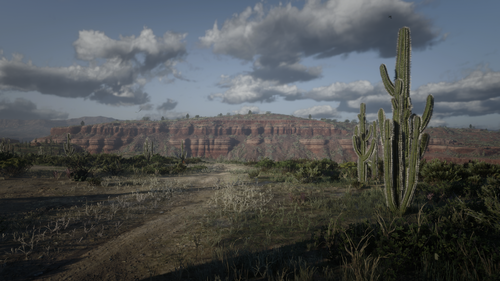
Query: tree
[[162, 118], [220, 114], [347, 121], [197, 116], [249, 112], [228, 114], [146, 118], [82, 123], [187, 116], [310, 116]]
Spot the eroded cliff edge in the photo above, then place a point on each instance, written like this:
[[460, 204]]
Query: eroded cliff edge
[[252, 137]]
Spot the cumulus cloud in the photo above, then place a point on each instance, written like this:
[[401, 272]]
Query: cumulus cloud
[[245, 88], [320, 111], [25, 109], [244, 110], [276, 41], [129, 63]]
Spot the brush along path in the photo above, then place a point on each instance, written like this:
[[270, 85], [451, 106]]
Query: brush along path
[[155, 247]]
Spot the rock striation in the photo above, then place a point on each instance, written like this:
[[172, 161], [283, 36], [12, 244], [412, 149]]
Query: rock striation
[[246, 137]]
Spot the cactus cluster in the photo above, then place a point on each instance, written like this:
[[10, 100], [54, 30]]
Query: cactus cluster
[[360, 143], [403, 140]]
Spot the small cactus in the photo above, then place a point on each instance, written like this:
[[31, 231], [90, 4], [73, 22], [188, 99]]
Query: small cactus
[[68, 148], [148, 149], [360, 143]]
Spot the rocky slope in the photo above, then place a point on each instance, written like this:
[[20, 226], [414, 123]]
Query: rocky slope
[[252, 137]]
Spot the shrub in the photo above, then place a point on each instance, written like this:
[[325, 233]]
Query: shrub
[[14, 166]]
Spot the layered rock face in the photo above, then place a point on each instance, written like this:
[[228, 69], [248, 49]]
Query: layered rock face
[[244, 139]]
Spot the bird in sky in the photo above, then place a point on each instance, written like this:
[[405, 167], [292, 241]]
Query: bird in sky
[[390, 17]]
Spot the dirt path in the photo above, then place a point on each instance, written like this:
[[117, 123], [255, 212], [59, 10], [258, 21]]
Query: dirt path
[[144, 251], [151, 248]]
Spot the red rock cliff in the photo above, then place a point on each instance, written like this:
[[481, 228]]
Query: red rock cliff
[[236, 137]]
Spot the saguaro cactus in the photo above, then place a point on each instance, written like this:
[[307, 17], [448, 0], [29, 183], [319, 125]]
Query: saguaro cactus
[[403, 141], [148, 149], [68, 148], [360, 143], [182, 156]]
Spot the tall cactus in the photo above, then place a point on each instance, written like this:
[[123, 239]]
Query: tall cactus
[[182, 157], [403, 141], [68, 148], [148, 149], [360, 143]]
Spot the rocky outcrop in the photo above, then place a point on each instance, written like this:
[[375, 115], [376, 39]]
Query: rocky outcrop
[[250, 138]]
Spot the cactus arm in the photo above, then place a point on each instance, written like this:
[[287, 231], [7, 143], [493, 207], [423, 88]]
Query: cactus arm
[[389, 86], [386, 135], [429, 108], [403, 58], [424, 142]]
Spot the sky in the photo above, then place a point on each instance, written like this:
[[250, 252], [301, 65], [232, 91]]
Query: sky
[[133, 59]]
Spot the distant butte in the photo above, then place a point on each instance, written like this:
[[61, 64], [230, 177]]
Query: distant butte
[[255, 136]]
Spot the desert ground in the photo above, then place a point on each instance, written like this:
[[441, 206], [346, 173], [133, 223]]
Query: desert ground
[[132, 227]]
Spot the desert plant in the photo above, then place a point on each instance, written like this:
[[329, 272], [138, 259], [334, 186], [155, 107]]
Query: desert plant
[[69, 150], [14, 166], [373, 162], [6, 146], [403, 140], [360, 143], [80, 165], [82, 123], [148, 149]]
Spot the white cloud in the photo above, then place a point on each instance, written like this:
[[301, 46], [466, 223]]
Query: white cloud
[[129, 64], [244, 110], [320, 111]]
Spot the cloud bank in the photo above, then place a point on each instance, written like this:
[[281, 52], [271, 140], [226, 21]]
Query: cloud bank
[[128, 64]]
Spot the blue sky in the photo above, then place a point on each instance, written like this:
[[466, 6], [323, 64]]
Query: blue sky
[[130, 59]]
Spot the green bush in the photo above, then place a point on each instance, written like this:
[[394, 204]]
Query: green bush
[[80, 165], [349, 170], [14, 167], [265, 163]]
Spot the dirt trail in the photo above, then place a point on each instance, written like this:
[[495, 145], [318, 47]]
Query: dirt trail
[[147, 250], [135, 255], [150, 249]]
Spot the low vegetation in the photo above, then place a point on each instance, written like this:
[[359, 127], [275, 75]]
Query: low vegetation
[[288, 220]]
